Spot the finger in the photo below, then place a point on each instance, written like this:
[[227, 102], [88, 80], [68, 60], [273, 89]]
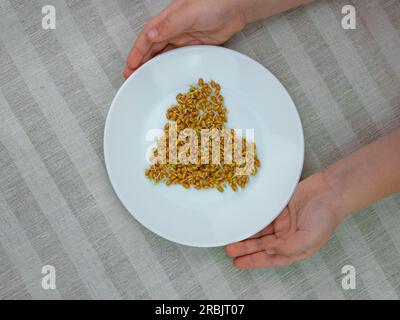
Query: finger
[[251, 245], [154, 50], [266, 231], [184, 39], [139, 49], [127, 72], [143, 43], [244, 247], [171, 25], [171, 22], [168, 48], [295, 244], [162, 47], [263, 260]]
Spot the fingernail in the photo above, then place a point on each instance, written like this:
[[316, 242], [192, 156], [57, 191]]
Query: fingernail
[[270, 251], [152, 33]]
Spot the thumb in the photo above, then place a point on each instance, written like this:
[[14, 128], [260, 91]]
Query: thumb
[[292, 246], [170, 26]]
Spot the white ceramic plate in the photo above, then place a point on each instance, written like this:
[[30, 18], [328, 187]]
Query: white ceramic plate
[[254, 98]]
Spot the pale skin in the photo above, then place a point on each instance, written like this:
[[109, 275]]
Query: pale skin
[[189, 22], [320, 202]]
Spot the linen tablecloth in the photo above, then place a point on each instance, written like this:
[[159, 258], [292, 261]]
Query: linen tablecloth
[[57, 206]]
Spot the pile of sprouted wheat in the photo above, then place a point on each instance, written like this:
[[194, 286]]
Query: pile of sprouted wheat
[[196, 148]]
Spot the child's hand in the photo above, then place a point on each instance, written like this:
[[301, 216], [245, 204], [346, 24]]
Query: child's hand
[[185, 23], [321, 202], [298, 232]]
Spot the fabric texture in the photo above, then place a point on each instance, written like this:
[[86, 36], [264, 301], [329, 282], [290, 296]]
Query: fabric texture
[[57, 206]]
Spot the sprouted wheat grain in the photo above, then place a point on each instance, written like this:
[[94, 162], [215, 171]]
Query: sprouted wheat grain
[[202, 107]]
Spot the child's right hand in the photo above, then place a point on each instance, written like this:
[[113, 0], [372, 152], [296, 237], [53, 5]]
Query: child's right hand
[[185, 23]]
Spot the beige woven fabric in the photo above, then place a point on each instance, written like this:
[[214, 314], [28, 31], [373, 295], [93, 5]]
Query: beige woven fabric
[[57, 206]]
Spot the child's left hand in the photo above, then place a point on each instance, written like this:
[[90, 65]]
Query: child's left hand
[[308, 221]]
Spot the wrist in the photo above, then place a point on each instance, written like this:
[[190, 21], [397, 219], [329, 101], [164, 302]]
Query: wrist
[[255, 10], [335, 186]]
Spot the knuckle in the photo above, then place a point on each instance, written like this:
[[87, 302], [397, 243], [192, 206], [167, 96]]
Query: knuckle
[[252, 261], [246, 246], [266, 242], [260, 243], [166, 24]]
